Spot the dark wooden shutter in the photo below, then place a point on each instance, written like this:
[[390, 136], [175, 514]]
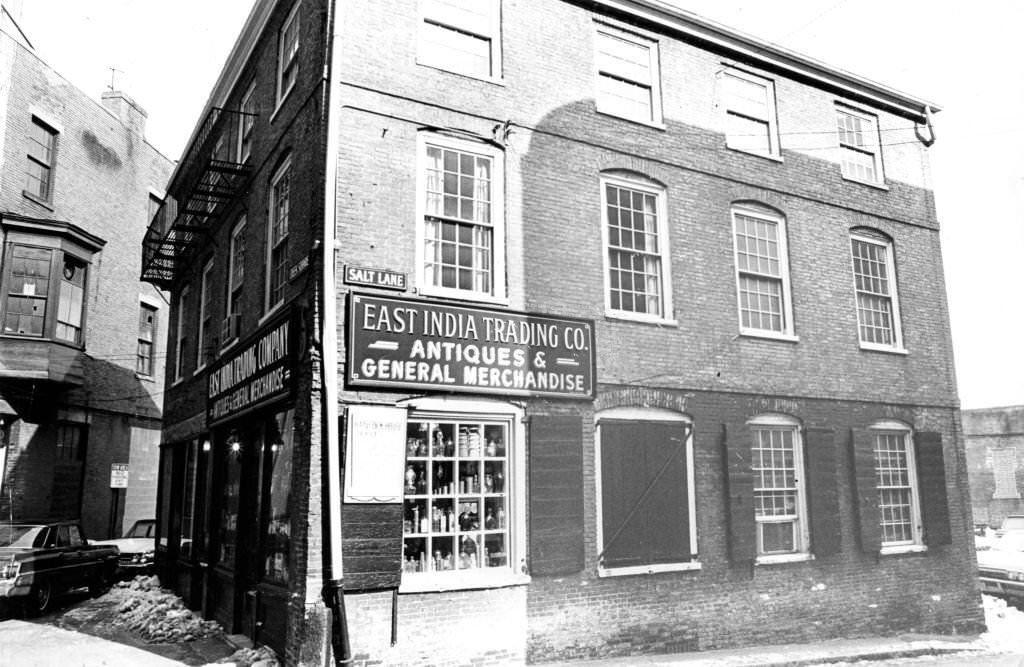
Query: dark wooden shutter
[[822, 495], [644, 494], [863, 444], [556, 494], [742, 529], [931, 482], [372, 537]]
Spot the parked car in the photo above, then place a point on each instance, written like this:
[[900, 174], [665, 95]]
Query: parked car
[[38, 561], [1012, 523], [1001, 567], [136, 548]]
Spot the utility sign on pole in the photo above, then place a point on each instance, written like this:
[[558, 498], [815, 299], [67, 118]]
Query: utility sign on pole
[[119, 475]]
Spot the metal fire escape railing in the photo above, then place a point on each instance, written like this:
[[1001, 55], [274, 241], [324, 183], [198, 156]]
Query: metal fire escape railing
[[208, 179]]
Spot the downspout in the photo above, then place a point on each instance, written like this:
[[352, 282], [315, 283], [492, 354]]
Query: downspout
[[930, 138], [333, 593]]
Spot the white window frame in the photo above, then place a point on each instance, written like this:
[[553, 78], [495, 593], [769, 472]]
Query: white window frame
[[282, 171], [872, 147], [770, 120], [205, 289], [647, 187], [498, 294], [646, 415], [287, 54], [515, 480], [801, 528], [491, 34], [246, 124], [237, 231], [603, 31], [788, 332], [179, 359], [916, 543], [894, 302]]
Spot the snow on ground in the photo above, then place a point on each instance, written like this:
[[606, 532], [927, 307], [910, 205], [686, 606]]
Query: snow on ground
[[1005, 625], [156, 614]]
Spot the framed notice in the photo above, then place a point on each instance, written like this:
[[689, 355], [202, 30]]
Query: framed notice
[[374, 454]]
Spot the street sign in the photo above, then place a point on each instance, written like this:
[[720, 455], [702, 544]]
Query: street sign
[[119, 475]]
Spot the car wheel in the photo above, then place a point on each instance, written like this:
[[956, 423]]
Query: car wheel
[[41, 598]]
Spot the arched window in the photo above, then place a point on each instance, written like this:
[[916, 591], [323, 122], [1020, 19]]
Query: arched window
[[874, 275], [762, 271], [635, 232], [646, 516]]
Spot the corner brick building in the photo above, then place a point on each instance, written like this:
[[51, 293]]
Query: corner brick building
[[631, 338], [81, 367]]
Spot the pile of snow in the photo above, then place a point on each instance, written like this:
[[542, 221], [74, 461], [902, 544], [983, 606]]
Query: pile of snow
[[258, 657], [156, 614], [1005, 625]]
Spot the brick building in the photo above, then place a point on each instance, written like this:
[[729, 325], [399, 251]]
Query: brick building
[[631, 338], [994, 442], [80, 370]]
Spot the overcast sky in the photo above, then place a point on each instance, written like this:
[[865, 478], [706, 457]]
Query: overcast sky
[[168, 54]]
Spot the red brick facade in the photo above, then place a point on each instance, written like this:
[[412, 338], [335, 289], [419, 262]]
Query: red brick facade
[[549, 149], [103, 174]]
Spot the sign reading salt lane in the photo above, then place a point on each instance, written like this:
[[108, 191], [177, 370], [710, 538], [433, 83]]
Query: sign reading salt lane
[[255, 374], [405, 343]]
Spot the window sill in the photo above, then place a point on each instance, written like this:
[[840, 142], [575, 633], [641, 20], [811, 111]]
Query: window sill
[[770, 335], [647, 569], [779, 559], [43, 339], [48, 205], [771, 157], [872, 347], [178, 381], [496, 80], [654, 125], [457, 295], [280, 102], [897, 549], [434, 582], [228, 345], [270, 314], [627, 316], [870, 184], [145, 378]]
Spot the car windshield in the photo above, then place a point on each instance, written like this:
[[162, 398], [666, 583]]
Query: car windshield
[[142, 529], [21, 535]]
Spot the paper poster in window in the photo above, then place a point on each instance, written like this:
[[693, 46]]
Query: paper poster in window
[[375, 454]]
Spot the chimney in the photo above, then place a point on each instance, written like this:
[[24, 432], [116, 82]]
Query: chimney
[[126, 109]]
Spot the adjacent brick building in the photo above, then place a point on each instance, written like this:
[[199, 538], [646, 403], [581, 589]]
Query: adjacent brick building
[[81, 367], [631, 338], [994, 440]]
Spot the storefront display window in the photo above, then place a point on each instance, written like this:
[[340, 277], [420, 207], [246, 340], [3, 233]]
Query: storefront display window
[[277, 534], [232, 453], [456, 502]]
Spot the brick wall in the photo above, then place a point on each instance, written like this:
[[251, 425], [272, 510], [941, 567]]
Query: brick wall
[[994, 440]]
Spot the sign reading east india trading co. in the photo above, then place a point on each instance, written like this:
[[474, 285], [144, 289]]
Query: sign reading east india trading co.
[[257, 372], [414, 344]]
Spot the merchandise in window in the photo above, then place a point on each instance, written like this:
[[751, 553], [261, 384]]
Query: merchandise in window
[[750, 113], [777, 466], [858, 142], [463, 225], [875, 285], [277, 516], [231, 452], [762, 272], [461, 36], [456, 496], [636, 248], [627, 75], [42, 145], [647, 499]]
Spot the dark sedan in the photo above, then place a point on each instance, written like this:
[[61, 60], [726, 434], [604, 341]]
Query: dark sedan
[[38, 561]]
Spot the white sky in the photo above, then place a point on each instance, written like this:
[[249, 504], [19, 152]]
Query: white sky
[[964, 58]]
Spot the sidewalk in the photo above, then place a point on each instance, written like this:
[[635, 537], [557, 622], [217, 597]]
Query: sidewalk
[[24, 644], [791, 655]]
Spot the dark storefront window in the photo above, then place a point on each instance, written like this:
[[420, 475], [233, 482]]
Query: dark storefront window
[[231, 491], [166, 480], [278, 463]]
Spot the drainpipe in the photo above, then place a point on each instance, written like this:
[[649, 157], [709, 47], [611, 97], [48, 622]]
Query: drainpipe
[[930, 138], [333, 593]]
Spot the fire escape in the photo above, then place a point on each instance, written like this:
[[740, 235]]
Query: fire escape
[[209, 177]]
